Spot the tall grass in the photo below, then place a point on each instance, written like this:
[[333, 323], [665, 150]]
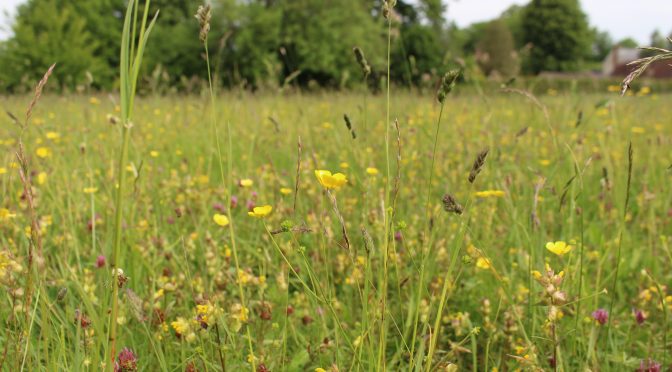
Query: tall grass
[[130, 62]]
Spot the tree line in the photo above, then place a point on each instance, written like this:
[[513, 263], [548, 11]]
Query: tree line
[[259, 44]]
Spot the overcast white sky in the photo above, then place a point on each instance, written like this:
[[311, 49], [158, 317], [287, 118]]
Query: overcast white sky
[[622, 18]]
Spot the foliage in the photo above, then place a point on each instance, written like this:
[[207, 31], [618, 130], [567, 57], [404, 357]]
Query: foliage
[[558, 32], [496, 54]]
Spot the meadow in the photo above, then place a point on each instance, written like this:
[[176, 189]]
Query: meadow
[[310, 299], [473, 228]]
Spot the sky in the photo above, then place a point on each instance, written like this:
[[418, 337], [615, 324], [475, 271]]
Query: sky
[[621, 18]]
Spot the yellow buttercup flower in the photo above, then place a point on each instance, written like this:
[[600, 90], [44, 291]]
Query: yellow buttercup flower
[[43, 152], [5, 214], [220, 219], [371, 171], [90, 190], [41, 178], [489, 194], [285, 191], [3, 170], [330, 181], [246, 182], [154, 154], [181, 326], [559, 248], [483, 263], [261, 212]]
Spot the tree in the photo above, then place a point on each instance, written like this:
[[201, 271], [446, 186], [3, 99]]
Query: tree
[[47, 32], [602, 44], [496, 52], [559, 35], [628, 43]]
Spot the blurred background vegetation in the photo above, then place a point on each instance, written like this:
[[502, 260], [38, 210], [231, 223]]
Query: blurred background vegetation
[[307, 44]]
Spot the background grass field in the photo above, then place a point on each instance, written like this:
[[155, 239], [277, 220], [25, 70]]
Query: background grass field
[[325, 310]]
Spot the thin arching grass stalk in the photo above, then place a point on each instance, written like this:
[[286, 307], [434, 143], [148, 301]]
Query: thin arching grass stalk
[[382, 345], [423, 262], [620, 241]]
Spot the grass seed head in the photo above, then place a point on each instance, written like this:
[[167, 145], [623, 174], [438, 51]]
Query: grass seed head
[[363, 63], [451, 205], [478, 164], [203, 14], [447, 84]]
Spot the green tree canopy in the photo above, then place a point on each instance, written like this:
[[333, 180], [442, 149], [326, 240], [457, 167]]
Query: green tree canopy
[[559, 35]]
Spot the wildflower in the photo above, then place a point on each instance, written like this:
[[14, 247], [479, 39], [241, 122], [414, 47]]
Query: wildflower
[[126, 361], [52, 135], [260, 212], [41, 178], [489, 194], [245, 182], [318, 369], [220, 219], [330, 181], [285, 190], [90, 190], [234, 202], [638, 130], [483, 263], [181, 326], [601, 316], [94, 101], [3, 170], [5, 214], [559, 248], [639, 315], [650, 366], [154, 154], [371, 171], [100, 261], [43, 152]]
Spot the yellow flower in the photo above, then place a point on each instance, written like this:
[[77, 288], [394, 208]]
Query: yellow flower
[[41, 178], [246, 182], [489, 193], [94, 101], [318, 369], [53, 135], [544, 162], [371, 171], [220, 219], [344, 165], [483, 263], [181, 326], [260, 212], [285, 191], [3, 170], [559, 248], [43, 152], [5, 214], [154, 154], [330, 181], [637, 130], [90, 190]]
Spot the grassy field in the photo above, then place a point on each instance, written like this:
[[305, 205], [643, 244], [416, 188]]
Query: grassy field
[[468, 280]]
